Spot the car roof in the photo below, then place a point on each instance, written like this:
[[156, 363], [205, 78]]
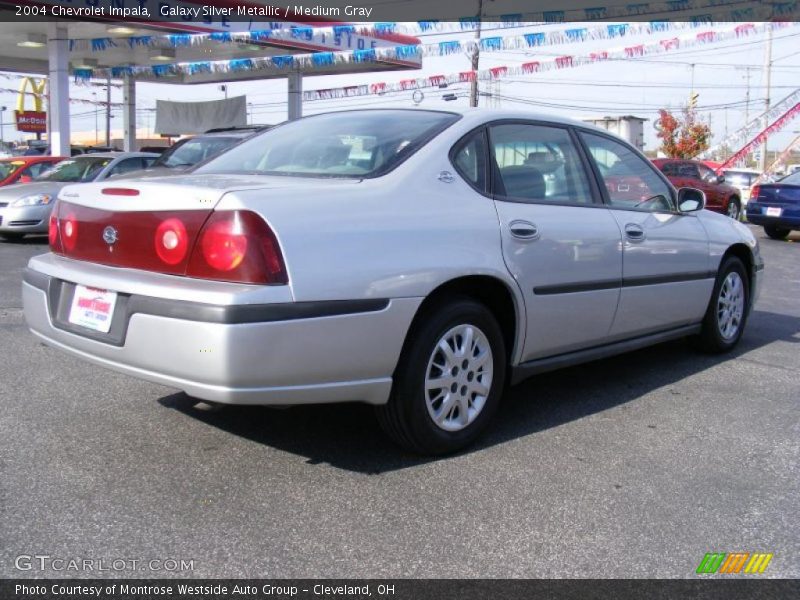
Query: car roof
[[116, 155]]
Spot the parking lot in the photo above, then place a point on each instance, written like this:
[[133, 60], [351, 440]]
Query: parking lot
[[634, 466]]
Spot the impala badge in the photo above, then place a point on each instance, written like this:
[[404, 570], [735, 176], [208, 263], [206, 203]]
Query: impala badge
[[110, 235]]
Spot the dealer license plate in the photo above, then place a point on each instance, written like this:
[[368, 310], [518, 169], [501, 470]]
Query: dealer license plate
[[92, 308], [774, 211]]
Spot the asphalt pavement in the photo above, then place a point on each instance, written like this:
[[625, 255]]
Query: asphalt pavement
[[634, 466]]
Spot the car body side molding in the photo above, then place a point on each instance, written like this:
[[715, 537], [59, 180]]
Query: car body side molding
[[608, 284]]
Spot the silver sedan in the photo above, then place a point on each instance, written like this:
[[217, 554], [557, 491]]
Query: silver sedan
[[26, 208], [413, 260]]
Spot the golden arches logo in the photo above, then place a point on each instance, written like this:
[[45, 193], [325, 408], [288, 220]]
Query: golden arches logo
[[37, 90]]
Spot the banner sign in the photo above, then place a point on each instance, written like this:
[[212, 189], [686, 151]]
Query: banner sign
[[31, 121]]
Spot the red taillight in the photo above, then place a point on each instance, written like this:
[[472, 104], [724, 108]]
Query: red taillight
[[172, 241], [52, 232], [224, 245], [237, 246], [69, 231], [120, 192], [754, 192]]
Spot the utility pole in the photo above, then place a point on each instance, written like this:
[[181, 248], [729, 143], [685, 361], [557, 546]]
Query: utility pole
[[476, 54], [96, 127], [768, 74], [108, 111]]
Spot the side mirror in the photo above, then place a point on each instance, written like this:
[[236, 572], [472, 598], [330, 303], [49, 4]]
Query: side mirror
[[720, 178], [691, 200]]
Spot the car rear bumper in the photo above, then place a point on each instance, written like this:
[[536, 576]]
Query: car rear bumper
[[271, 354], [783, 222]]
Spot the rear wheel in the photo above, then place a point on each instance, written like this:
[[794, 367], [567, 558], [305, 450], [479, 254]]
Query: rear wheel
[[449, 379], [734, 209], [11, 237], [776, 233], [726, 316]]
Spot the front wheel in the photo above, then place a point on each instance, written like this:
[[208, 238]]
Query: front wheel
[[726, 315], [449, 379], [776, 233], [734, 209]]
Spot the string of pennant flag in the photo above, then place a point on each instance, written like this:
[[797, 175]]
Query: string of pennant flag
[[567, 61], [276, 64], [708, 11]]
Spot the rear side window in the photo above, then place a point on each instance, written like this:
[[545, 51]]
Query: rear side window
[[536, 163], [470, 161]]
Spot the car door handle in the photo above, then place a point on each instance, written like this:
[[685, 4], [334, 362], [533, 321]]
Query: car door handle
[[524, 230], [634, 232]]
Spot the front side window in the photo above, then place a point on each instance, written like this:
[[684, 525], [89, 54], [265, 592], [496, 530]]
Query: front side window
[[537, 164], [350, 144], [707, 174], [631, 182]]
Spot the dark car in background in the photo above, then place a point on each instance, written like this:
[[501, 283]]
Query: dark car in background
[[720, 197], [190, 151], [776, 206]]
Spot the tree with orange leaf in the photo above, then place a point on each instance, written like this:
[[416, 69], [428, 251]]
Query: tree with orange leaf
[[682, 138]]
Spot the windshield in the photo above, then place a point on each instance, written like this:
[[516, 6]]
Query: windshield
[[8, 167], [194, 150], [82, 168], [345, 144]]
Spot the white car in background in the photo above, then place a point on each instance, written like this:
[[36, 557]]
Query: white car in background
[[742, 180]]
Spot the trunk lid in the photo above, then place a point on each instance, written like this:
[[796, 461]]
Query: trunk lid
[[777, 194]]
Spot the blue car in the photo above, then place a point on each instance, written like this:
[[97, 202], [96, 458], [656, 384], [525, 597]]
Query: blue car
[[776, 206]]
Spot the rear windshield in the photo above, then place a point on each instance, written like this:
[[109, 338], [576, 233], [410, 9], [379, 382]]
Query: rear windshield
[[793, 179], [353, 144], [80, 168]]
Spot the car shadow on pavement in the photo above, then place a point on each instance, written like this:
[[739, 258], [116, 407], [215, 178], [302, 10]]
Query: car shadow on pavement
[[347, 436]]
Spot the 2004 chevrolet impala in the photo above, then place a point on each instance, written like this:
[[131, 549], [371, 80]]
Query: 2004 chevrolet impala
[[415, 260]]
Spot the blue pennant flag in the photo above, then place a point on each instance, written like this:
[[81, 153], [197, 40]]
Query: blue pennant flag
[[659, 25], [679, 5], [553, 16], [321, 59], [140, 40], [220, 36], [82, 74], [384, 27], [180, 39], [367, 55], [306, 33], [595, 13], [161, 70], [617, 30], [100, 44], [450, 47], [409, 51], [427, 25], [283, 62], [119, 72], [468, 22], [259, 35], [492, 43], [199, 67], [240, 64], [534, 39], [576, 35], [343, 29]]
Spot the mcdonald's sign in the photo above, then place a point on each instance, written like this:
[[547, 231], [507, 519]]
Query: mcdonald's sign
[[31, 121], [733, 562]]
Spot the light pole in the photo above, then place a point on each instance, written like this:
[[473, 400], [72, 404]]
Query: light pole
[[2, 115], [96, 128]]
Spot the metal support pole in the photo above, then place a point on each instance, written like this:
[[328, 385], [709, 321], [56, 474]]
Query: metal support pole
[[476, 57], [768, 68], [129, 114], [108, 111], [295, 96], [58, 99]]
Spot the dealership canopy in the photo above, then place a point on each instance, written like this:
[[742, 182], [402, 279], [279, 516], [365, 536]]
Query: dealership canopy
[[171, 43]]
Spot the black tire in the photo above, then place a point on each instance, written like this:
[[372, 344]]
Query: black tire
[[776, 233], [11, 237], [406, 417], [711, 339], [734, 205]]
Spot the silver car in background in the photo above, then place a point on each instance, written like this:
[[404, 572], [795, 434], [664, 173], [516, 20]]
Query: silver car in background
[[410, 259], [25, 208]]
